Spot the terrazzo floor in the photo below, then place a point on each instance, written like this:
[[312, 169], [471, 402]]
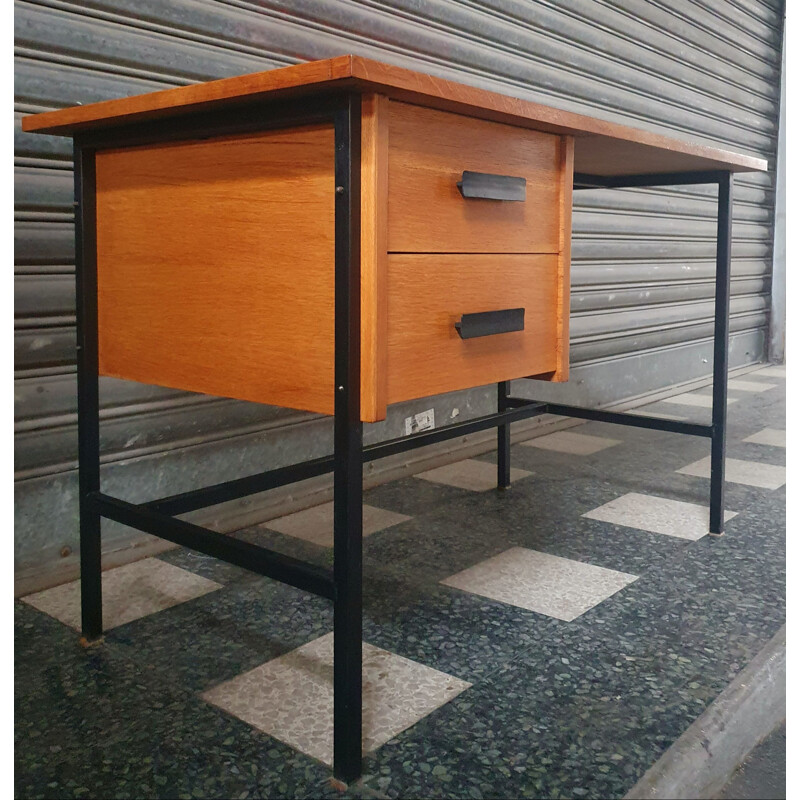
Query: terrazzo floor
[[551, 640]]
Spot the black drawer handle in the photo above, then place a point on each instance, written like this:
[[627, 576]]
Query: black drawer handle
[[488, 323], [484, 186]]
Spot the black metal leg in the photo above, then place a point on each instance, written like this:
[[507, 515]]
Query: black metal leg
[[721, 307], [503, 439], [88, 395], [347, 472]]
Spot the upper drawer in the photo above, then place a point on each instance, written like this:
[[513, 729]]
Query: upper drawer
[[428, 152]]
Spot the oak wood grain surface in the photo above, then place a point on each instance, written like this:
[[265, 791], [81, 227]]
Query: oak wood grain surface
[[564, 253], [602, 147], [428, 152], [215, 266], [281, 82], [428, 293], [374, 300]]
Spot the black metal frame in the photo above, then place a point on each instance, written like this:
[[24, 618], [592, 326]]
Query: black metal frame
[[343, 584]]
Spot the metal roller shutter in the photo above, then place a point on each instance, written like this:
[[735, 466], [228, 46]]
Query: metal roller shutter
[[642, 272]]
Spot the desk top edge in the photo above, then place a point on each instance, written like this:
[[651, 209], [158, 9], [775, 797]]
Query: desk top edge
[[366, 75]]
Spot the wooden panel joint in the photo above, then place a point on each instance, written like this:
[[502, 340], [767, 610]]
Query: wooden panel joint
[[374, 302]]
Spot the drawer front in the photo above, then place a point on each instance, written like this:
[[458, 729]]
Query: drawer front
[[430, 293], [429, 151]]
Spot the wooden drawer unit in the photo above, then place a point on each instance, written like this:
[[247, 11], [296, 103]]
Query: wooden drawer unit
[[216, 259], [451, 254]]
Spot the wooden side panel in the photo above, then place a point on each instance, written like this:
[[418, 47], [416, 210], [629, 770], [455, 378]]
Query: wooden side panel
[[216, 266], [565, 240], [429, 293], [374, 299], [428, 152]]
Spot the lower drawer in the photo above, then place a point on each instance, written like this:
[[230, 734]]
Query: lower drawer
[[428, 294]]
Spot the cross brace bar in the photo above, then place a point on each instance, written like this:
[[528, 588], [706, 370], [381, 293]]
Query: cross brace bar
[[529, 408], [299, 574], [635, 420], [517, 409], [241, 487], [252, 484]]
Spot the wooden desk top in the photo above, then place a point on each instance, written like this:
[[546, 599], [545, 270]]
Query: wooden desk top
[[601, 148]]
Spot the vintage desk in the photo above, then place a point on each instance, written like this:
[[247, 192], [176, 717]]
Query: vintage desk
[[337, 236]]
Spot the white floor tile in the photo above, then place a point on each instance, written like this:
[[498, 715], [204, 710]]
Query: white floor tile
[[129, 592], [579, 444], [656, 515], [291, 697], [551, 585], [645, 412], [750, 473], [771, 372], [316, 524], [689, 399], [475, 476], [770, 436], [750, 386]]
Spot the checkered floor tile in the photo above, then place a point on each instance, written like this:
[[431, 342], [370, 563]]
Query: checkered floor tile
[[750, 386], [291, 697], [129, 593], [700, 400], [750, 473], [580, 444], [770, 372], [315, 525], [551, 585], [657, 515], [475, 476], [769, 436], [646, 412]]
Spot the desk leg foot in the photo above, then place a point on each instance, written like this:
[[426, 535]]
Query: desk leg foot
[[717, 489], [503, 440], [91, 578]]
